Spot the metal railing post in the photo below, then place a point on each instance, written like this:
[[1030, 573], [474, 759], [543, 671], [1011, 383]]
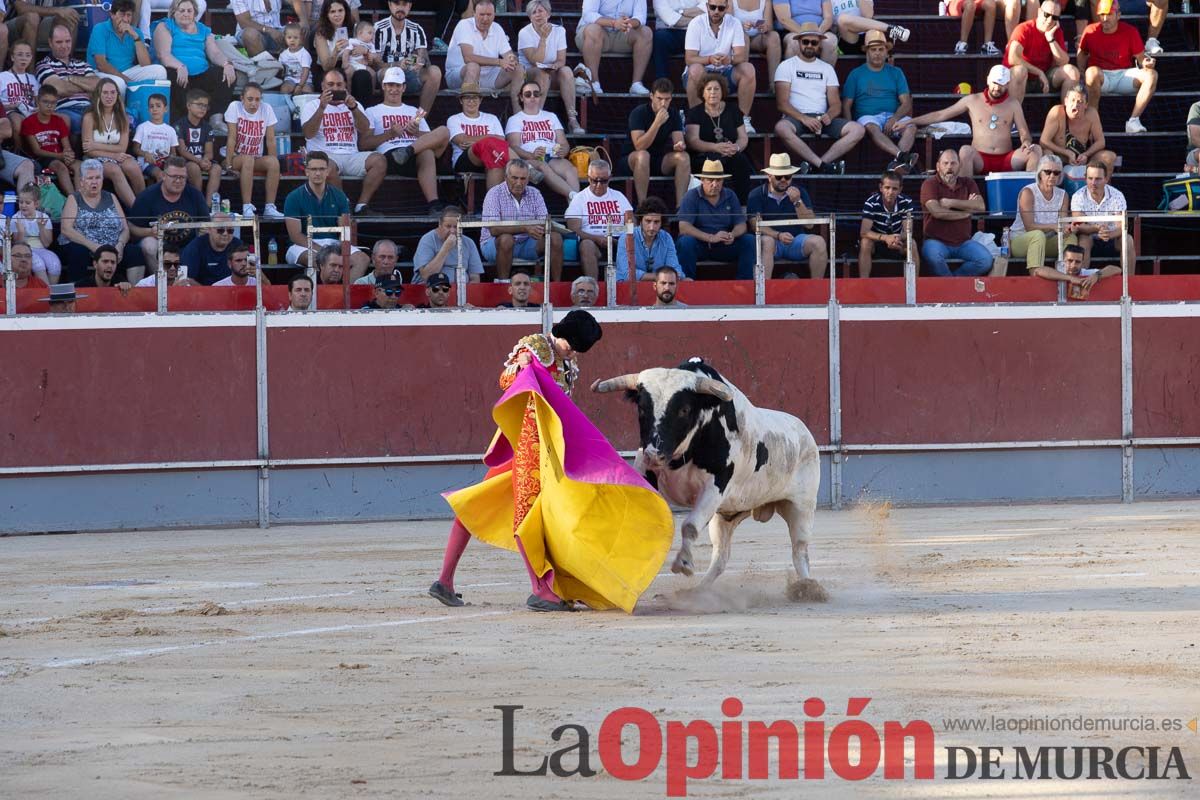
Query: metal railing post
[[160, 272], [10, 278], [610, 269], [832, 265], [829, 221], [460, 271], [760, 269], [910, 263], [260, 397], [547, 305]]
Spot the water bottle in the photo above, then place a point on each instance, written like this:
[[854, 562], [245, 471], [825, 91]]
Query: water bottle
[[215, 208], [10, 204], [1005, 239], [272, 251], [943, 8], [1187, 6]]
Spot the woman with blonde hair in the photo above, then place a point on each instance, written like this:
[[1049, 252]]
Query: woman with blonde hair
[[542, 52], [187, 48], [105, 135]]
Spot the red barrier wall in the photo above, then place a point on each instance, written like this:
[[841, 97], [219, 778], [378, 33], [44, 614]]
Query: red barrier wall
[[1166, 377]]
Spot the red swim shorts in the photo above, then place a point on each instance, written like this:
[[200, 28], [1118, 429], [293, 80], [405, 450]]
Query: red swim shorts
[[996, 162]]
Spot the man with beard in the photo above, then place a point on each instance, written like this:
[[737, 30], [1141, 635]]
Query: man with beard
[[240, 271], [437, 292], [519, 288], [948, 200], [666, 279]]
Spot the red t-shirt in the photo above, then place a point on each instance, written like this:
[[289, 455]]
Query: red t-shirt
[[1111, 50], [49, 135], [1035, 48]]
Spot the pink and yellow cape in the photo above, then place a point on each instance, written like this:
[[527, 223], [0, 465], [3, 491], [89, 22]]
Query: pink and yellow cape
[[578, 507]]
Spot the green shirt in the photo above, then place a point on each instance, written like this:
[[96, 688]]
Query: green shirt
[[325, 211]]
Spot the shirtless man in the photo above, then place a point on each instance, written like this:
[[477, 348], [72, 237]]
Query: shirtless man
[[993, 114]]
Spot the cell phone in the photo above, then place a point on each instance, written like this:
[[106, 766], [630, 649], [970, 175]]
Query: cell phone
[[339, 95]]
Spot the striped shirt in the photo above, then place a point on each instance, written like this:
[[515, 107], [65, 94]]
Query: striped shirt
[[499, 205], [393, 48], [50, 67], [888, 222]]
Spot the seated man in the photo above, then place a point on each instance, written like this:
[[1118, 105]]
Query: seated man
[[22, 267], [116, 48], [853, 18], [584, 291], [590, 213], [666, 287], [330, 267], [480, 52], [241, 273], [74, 79], [300, 293], [331, 123], [327, 205], [712, 225], [171, 200], [1100, 239], [384, 256], [171, 268], [437, 293], [653, 247], [883, 217], [387, 295], [967, 9], [876, 96], [778, 199], [516, 202], [613, 26], [993, 113], [1073, 272], [671, 18], [258, 26], [519, 289], [1113, 60], [207, 256], [400, 132], [401, 43], [437, 252], [656, 136], [104, 269], [716, 42], [1038, 50], [791, 15], [948, 201]]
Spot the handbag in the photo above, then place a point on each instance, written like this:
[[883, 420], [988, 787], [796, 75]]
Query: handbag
[[1181, 195], [582, 157]]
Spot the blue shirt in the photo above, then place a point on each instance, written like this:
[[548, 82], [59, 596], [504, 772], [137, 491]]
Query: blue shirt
[[301, 203], [874, 92], [759, 202], [662, 252], [189, 47], [120, 51], [708, 217], [804, 11]]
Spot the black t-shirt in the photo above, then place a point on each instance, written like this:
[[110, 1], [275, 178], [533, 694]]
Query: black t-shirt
[[194, 137], [642, 119], [729, 121], [150, 205]]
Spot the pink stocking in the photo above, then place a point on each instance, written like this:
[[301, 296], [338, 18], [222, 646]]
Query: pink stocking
[[539, 586], [455, 545]]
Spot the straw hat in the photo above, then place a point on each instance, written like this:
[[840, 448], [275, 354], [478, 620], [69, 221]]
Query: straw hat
[[781, 164], [712, 169]]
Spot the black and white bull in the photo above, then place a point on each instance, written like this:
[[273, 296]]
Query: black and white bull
[[707, 449]]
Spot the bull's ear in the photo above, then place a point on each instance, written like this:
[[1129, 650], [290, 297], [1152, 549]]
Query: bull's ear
[[632, 395]]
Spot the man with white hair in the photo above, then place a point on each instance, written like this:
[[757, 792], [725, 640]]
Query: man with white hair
[[592, 211], [384, 256], [480, 52], [584, 291]]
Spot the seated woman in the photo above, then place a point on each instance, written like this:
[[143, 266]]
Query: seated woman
[[1034, 231], [105, 136], [331, 40], [477, 139], [542, 51], [714, 129], [537, 136], [1072, 131], [250, 149], [91, 217], [758, 20], [187, 49]]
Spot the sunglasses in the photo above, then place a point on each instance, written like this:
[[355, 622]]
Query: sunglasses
[[811, 42], [1054, 17], [717, 8], [531, 94], [600, 181], [1052, 172], [439, 289], [223, 230], [393, 292], [169, 264]]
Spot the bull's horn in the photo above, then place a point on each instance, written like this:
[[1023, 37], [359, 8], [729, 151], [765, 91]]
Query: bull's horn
[[629, 382], [706, 385]]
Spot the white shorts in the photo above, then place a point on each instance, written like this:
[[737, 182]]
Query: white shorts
[[297, 250], [487, 77], [880, 120], [1120, 81], [351, 165]]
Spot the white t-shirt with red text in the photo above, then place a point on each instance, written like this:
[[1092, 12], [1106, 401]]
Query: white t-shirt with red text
[[596, 211], [337, 133], [483, 125], [19, 92], [384, 116], [537, 130], [156, 140], [251, 128]]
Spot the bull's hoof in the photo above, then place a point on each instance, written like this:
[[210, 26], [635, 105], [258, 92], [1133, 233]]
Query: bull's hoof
[[682, 566], [806, 590]]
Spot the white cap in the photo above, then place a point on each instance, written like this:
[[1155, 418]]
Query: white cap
[[999, 74], [396, 75]]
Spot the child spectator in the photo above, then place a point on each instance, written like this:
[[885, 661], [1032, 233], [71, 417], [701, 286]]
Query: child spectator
[[19, 87], [35, 229], [154, 140], [251, 148], [46, 136], [196, 143], [297, 62], [361, 55]]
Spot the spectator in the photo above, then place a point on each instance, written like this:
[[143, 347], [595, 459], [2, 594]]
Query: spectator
[[258, 26], [883, 218], [792, 15], [966, 9], [300, 293], [330, 124], [1034, 231], [716, 45], [360, 62], [781, 199], [33, 226], [476, 139], [332, 38], [1193, 126], [171, 265], [614, 26], [154, 140], [196, 143], [806, 93], [715, 131], [591, 212], [437, 252], [537, 136], [758, 25], [584, 291], [207, 256], [878, 99], [19, 87], [515, 201], [329, 265], [387, 295], [1073, 271], [22, 267], [671, 19], [401, 132], [172, 200], [310, 14], [1012, 14], [437, 292], [1113, 60], [250, 149], [105, 138], [297, 62], [23, 21], [186, 47], [1098, 239], [653, 247], [117, 48], [74, 79], [519, 289], [851, 19], [712, 225], [103, 274], [401, 43], [327, 205], [144, 8], [240, 271], [656, 136], [384, 256], [542, 51], [993, 113], [948, 200], [666, 283], [90, 217], [47, 137], [1073, 132], [1038, 50], [62, 298], [479, 52], [1158, 16]]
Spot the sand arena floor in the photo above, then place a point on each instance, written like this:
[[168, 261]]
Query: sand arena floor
[[307, 662]]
